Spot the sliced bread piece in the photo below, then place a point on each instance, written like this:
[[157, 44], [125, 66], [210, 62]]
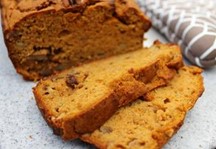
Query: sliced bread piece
[[149, 124], [81, 99]]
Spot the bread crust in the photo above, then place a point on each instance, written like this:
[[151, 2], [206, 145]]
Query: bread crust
[[30, 33], [168, 110], [91, 119], [131, 85]]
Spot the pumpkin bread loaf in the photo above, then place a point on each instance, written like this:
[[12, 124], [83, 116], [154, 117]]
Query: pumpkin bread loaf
[[47, 36], [150, 122], [79, 100]]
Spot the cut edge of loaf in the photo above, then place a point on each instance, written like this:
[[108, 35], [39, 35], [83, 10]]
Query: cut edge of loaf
[[89, 120], [159, 136], [41, 41]]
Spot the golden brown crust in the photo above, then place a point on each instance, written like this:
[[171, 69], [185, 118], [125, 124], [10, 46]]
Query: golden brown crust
[[135, 78], [94, 118], [127, 11], [72, 128], [151, 122], [45, 36], [163, 135], [89, 120]]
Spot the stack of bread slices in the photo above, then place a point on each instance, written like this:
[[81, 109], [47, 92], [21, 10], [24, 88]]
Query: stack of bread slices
[[101, 85], [134, 100]]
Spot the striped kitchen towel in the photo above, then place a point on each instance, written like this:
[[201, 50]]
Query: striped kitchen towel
[[189, 23]]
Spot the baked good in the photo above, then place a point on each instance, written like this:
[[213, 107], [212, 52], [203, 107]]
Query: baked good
[[81, 99], [46, 36], [150, 122]]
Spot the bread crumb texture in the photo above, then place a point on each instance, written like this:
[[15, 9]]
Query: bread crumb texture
[[47, 36], [81, 99], [150, 122]]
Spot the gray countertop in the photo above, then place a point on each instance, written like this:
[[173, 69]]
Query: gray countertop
[[22, 126]]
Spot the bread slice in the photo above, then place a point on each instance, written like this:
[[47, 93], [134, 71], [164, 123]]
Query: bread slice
[[46, 36], [81, 99], [150, 123]]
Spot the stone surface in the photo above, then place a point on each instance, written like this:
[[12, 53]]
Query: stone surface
[[22, 126]]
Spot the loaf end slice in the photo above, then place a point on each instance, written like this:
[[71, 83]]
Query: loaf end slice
[[150, 122], [81, 99], [44, 37]]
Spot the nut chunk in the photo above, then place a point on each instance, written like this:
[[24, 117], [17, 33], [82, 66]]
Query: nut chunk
[[72, 31], [71, 81], [149, 124], [81, 99]]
